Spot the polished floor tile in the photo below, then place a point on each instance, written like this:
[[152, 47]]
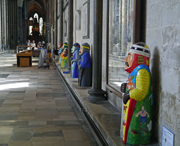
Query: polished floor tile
[[35, 109]]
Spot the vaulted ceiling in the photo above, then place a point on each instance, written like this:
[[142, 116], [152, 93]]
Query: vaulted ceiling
[[36, 6]]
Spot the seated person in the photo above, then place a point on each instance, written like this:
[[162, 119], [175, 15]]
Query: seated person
[[29, 45], [33, 45], [40, 47]]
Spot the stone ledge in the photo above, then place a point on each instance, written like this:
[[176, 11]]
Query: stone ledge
[[104, 115]]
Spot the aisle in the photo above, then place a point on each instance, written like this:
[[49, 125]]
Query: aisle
[[35, 109]]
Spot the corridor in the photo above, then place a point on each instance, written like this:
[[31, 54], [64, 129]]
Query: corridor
[[35, 108]]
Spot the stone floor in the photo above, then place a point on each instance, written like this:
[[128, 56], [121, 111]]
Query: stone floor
[[35, 109]]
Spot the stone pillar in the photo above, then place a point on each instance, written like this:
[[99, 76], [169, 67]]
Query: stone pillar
[[54, 22], [120, 22], [7, 22], [97, 53], [3, 22], [70, 32], [25, 30], [46, 21], [61, 21], [13, 23], [0, 24], [124, 26], [48, 28], [19, 25], [58, 1]]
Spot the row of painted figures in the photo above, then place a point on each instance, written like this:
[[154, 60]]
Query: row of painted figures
[[137, 90], [81, 67]]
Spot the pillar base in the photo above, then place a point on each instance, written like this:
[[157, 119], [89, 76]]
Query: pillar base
[[97, 94]]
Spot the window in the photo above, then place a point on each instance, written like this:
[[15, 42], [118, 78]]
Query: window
[[120, 39], [36, 16], [41, 26], [30, 26]]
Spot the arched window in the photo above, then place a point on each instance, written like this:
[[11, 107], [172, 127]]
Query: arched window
[[30, 26], [36, 16], [41, 25]]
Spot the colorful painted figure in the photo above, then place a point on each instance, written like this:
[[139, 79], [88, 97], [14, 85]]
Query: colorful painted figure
[[137, 129], [75, 60], [64, 62], [85, 67], [60, 53], [143, 114]]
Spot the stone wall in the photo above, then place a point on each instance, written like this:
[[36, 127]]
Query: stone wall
[[83, 22], [163, 39]]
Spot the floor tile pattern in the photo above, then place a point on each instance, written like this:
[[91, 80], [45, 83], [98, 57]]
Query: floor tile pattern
[[36, 110]]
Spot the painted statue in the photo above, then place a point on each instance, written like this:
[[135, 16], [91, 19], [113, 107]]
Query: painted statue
[[60, 53], [64, 62], [85, 67], [137, 116], [75, 60]]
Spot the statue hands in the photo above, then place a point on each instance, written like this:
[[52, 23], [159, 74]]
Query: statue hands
[[123, 87], [126, 97], [126, 94]]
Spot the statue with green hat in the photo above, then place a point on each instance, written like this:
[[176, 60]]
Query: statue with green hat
[[64, 62]]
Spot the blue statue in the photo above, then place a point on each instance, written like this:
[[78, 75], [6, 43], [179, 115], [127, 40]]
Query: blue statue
[[85, 67], [75, 60]]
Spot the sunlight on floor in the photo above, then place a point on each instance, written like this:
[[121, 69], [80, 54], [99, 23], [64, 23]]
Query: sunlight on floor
[[14, 85], [4, 65]]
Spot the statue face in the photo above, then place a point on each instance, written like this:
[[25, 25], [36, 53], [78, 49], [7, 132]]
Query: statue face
[[72, 49], [81, 51], [142, 107], [129, 60]]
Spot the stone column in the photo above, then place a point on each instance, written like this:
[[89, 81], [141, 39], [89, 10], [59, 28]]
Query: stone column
[[47, 21], [124, 26], [120, 22], [58, 1], [97, 53], [61, 21], [19, 25], [7, 23], [0, 24], [55, 18], [25, 30], [70, 32]]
